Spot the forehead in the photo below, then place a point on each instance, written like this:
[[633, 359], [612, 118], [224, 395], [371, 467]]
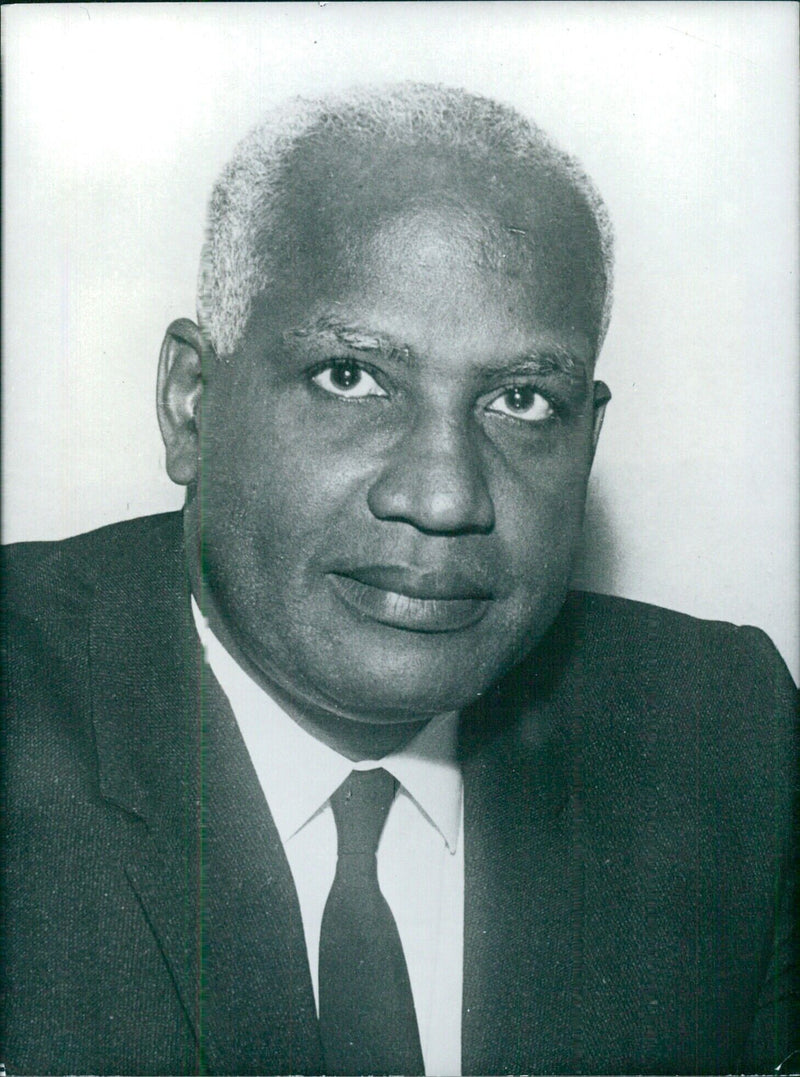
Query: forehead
[[417, 223]]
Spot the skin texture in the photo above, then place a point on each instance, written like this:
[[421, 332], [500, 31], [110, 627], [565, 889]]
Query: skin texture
[[386, 481]]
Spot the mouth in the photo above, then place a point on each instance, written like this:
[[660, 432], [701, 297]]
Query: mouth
[[411, 599]]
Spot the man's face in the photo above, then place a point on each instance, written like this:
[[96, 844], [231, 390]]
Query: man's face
[[394, 462]]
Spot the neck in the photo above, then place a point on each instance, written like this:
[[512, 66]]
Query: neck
[[358, 740]]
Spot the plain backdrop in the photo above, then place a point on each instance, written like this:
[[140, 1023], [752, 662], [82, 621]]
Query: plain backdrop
[[118, 117]]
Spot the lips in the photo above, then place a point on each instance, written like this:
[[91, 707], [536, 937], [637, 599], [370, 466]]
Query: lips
[[413, 599]]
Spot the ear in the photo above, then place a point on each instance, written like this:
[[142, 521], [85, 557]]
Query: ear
[[602, 395], [180, 387]]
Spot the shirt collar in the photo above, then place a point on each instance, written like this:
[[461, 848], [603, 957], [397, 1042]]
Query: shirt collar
[[298, 773]]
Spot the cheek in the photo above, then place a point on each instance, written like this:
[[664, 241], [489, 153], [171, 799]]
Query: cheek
[[539, 511], [284, 480]]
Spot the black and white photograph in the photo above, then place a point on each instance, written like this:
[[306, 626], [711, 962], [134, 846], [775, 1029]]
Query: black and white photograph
[[401, 538]]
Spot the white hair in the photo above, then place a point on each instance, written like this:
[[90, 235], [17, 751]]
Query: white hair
[[235, 267]]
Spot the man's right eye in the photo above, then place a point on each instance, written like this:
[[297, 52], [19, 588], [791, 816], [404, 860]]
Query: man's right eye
[[348, 379]]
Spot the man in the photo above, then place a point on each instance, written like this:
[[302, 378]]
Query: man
[[330, 774]]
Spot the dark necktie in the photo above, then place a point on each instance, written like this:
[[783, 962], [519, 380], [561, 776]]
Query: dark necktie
[[366, 1009]]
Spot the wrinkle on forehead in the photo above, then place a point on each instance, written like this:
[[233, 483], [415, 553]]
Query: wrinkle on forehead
[[437, 255], [448, 232]]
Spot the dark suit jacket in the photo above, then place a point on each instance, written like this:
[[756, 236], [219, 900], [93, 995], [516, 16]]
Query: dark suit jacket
[[628, 839]]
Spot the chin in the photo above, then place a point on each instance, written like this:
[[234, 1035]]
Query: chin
[[406, 687], [405, 703]]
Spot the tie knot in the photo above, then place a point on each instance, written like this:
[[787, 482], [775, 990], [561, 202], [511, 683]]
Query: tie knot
[[360, 806]]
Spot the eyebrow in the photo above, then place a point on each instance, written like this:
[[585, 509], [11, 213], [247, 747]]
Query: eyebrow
[[355, 337], [552, 360]]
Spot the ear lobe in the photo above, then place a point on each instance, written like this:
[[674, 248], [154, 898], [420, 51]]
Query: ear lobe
[[180, 387], [602, 395]]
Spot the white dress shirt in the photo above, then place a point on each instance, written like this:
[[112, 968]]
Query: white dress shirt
[[420, 854]]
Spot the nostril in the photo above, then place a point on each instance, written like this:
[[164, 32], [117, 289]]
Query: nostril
[[436, 494]]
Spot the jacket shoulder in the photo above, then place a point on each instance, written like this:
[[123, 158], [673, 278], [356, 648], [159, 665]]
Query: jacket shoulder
[[673, 694], [59, 599], [41, 579], [661, 645]]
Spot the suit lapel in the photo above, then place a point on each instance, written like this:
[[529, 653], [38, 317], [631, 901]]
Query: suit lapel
[[208, 868], [257, 998], [143, 680]]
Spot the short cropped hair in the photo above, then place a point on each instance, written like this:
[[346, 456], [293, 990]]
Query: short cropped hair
[[235, 268]]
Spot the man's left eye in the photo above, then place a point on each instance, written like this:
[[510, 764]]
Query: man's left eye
[[522, 402], [347, 379]]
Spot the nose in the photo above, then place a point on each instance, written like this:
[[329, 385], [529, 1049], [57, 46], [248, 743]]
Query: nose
[[435, 481]]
